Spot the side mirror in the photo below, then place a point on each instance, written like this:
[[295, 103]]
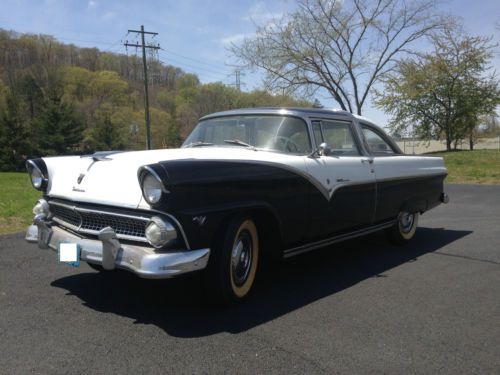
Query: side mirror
[[324, 149]]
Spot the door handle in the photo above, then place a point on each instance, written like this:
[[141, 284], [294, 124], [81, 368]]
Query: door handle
[[367, 161]]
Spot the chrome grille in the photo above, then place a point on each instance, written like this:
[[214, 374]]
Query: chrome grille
[[121, 225], [65, 214], [91, 221]]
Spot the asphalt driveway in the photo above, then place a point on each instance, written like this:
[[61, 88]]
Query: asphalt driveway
[[363, 306]]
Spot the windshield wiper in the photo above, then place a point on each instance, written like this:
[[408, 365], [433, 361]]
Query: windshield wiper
[[239, 143], [199, 144]]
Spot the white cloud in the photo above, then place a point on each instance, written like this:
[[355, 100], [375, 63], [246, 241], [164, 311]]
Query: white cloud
[[235, 38], [92, 4], [260, 14]]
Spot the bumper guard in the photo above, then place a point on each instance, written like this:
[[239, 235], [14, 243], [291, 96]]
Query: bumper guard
[[110, 253]]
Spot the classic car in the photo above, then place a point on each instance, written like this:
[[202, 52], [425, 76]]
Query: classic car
[[246, 185]]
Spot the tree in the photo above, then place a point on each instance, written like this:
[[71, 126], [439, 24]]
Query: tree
[[15, 146], [104, 136], [343, 47], [444, 93], [58, 131]]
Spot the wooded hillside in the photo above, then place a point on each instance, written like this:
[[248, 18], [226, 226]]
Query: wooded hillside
[[60, 99]]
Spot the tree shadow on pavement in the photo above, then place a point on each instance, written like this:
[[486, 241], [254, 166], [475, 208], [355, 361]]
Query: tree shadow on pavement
[[181, 309]]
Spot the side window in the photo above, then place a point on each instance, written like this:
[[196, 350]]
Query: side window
[[338, 136], [317, 132], [376, 143]]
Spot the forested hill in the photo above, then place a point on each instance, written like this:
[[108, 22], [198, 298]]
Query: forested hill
[[58, 98]]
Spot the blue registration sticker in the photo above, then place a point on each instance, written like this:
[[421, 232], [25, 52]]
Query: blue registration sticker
[[69, 253]]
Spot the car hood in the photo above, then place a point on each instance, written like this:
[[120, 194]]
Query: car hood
[[112, 180]]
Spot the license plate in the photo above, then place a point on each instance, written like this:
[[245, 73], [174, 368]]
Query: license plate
[[69, 253]]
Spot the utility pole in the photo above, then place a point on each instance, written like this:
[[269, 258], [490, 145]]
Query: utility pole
[[146, 96], [238, 81]]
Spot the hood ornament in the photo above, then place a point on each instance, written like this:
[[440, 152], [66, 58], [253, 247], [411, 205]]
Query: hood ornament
[[95, 158]]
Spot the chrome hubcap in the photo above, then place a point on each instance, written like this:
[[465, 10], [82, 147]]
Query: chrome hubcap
[[406, 221], [241, 258]]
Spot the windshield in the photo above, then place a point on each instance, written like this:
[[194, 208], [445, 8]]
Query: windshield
[[275, 133]]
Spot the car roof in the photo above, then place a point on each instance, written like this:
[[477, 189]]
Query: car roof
[[297, 111]]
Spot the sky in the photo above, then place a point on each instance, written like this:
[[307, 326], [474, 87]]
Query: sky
[[194, 35]]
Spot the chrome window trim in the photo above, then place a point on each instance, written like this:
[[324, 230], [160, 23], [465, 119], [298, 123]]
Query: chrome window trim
[[273, 113], [396, 151]]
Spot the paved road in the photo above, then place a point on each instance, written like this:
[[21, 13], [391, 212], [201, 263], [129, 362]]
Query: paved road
[[362, 307]]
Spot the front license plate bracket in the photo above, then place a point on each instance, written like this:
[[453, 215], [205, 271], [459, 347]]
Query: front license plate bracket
[[69, 253]]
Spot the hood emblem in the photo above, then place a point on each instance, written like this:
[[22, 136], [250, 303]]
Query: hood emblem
[[200, 220], [95, 158]]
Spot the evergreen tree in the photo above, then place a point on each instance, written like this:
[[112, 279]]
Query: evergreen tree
[[106, 136], [14, 138], [58, 131]]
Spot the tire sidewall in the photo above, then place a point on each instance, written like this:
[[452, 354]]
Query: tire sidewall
[[396, 233], [221, 281], [406, 236]]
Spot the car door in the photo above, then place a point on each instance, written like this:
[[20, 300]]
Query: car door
[[344, 198], [400, 178]]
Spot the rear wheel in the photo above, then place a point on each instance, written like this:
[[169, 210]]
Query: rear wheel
[[404, 229], [234, 261]]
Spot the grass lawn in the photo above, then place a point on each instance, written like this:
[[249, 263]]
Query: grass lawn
[[472, 167], [17, 198]]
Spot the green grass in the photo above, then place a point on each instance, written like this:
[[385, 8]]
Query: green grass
[[17, 198], [472, 167]]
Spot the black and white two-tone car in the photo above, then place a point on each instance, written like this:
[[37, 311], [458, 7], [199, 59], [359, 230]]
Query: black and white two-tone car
[[246, 184]]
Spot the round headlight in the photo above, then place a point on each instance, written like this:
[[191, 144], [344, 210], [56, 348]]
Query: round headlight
[[36, 178], [151, 188], [38, 174], [159, 232]]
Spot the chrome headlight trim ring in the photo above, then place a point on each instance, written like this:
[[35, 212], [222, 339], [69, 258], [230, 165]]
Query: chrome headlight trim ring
[[144, 172], [32, 168]]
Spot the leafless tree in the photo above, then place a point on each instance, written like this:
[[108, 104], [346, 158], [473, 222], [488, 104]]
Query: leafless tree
[[341, 46]]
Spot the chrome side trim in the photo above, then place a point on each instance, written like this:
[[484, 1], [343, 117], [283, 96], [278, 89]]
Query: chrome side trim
[[411, 177], [329, 241]]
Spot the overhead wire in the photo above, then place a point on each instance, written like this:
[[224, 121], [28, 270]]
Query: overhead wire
[[195, 66], [211, 71]]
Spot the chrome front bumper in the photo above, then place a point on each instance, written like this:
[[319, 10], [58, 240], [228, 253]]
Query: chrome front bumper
[[110, 253]]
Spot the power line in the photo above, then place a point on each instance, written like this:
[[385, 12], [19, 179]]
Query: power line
[[217, 72], [217, 77], [146, 96], [189, 58]]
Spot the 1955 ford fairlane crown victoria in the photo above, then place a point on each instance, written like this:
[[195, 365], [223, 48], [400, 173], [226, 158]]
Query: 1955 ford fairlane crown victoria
[[246, 184]]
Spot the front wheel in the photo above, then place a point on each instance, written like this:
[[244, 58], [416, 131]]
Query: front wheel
[[404, 229], [234, 261]]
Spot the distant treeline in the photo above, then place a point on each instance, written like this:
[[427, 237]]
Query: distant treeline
[[58, 99]]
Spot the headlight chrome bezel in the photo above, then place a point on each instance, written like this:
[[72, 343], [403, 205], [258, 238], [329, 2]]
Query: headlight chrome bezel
[[38, 175], [149, 173], [166, 232]]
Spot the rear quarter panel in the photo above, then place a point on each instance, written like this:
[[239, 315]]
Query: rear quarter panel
[[407, 182]]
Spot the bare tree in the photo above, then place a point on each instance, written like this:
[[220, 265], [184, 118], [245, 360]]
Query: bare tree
[[341, 46]]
